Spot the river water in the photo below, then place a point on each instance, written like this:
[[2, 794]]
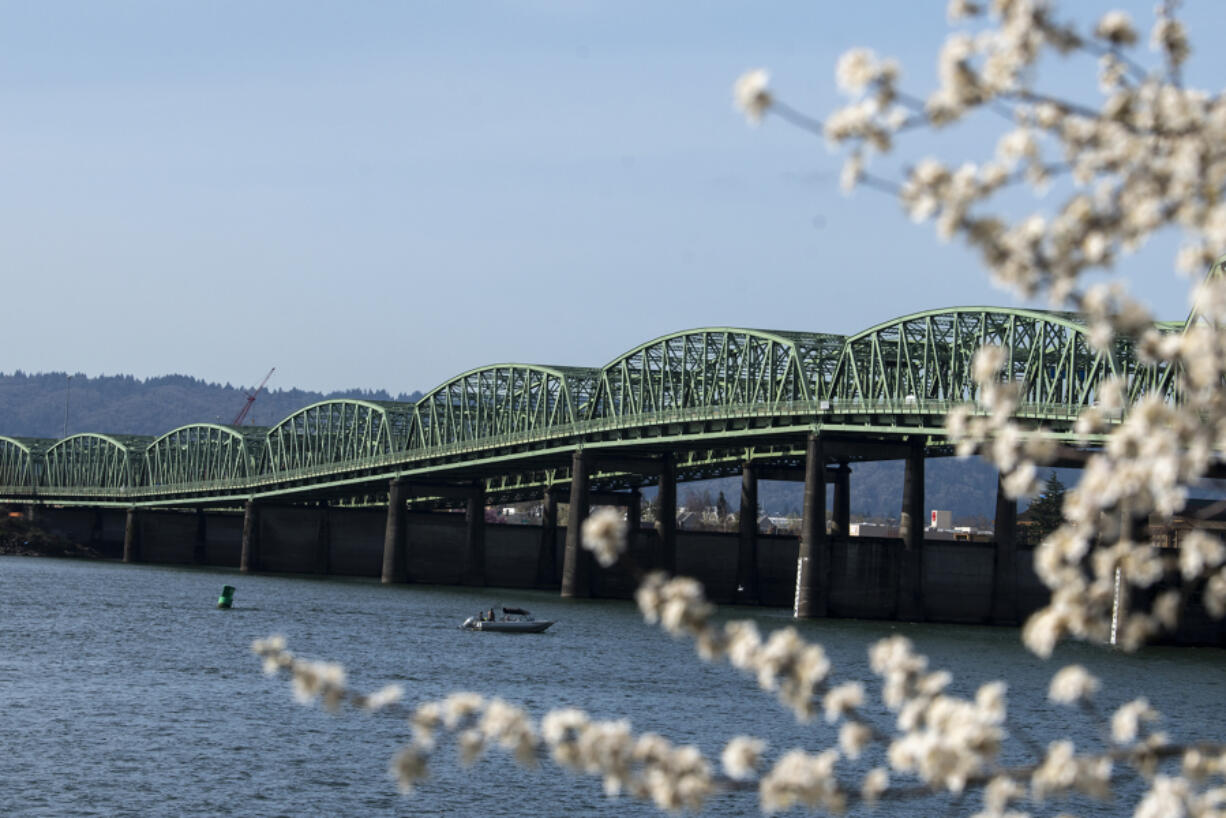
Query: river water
[[124, 691]]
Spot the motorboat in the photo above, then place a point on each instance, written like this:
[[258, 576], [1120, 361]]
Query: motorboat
[[513, 620]]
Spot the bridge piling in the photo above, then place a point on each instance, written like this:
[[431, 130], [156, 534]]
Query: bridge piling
[[95, 531], [634, 517], [910, 605], [547, 558], [747, 552], [394, 558], [249, 561], [131, 537], [1004, 565], [576, 578], [813, 558], [200, 544], [842, 500], [666, 519], [474, 536], [323, 541]]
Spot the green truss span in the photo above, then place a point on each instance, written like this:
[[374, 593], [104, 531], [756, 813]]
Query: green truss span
[[715, 389]]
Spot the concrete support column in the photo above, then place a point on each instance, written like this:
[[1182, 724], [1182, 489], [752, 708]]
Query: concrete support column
[[394, 561], [31, 511], [131, 537], [1004, 567], [747, 551], [249, 562], [95, 531], [323, 542], [813, 560], [911, 529], [547, 557], [576, 564], [842, 501], [634, 517], [200, 544], [666, 520], [474, 571]]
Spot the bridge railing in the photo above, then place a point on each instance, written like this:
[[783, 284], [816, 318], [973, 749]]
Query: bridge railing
[[792, 414]]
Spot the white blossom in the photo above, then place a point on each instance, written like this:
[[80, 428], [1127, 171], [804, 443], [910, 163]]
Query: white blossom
[[385, 697], [408, 767], [1116, 27], [604, 534], [750, 94], [842, 700], [799, 778], [741, 756], [1071, 685], [1126, 721]]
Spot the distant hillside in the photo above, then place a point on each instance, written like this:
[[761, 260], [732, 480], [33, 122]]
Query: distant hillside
[[33, 405]]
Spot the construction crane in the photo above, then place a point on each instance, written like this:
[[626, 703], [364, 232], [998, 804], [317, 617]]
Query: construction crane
[[251, 396]]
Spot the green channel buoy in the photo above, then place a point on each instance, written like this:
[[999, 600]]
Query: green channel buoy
[[227, 597]]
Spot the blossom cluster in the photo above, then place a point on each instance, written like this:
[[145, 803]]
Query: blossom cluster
[[1148, 155], [945, 743]]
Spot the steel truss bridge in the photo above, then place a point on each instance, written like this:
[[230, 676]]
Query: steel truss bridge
[[706, 401]]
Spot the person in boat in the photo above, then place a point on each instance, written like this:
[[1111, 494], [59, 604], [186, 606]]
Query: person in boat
[[491, 615]]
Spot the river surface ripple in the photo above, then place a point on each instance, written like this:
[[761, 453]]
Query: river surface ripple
[[124, 691]]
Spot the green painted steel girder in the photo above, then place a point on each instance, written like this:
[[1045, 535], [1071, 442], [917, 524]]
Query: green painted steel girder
[[512, 425], [929, 355], [716, 366], [96, 461], [336, 431], [203, 452], [502, 399], [21, 460]]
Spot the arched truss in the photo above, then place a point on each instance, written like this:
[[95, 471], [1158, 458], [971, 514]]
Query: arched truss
[[21, 460], [717, 366], [205, 451], [921, 358], [502, 399], [928, 356], [96, 461], [334, 431]]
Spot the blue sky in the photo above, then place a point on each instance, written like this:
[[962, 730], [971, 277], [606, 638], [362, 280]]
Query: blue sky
[[382, 195]]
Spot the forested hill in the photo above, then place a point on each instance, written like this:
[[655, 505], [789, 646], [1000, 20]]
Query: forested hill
[[33, 405]]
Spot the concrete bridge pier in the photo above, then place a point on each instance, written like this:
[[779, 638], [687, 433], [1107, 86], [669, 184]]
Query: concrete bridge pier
[[474, 539], [395, 560], [634, 516], [96, 531], [1004, 566], [131, 537], [249, 561], [323, 542], [747, 551], [666, 519], [547, 557], [576, 563], [200, 544], [842, 501], [910, 604], [813, 559]]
